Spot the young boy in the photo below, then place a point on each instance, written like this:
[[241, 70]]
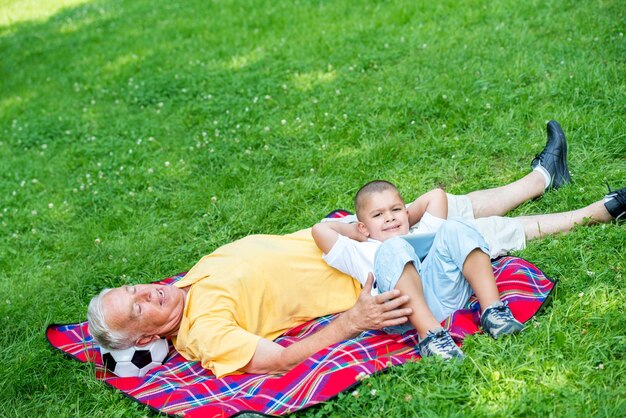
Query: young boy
[[457, 264]]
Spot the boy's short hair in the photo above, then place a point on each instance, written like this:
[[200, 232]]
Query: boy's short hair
[[374, 186]]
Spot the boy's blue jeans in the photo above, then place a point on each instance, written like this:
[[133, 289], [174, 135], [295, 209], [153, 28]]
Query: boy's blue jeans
[[445, 288]]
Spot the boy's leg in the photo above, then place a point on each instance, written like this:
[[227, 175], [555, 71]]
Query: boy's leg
[[549, 172], [478, 272], [459, 265], [397, 266], [422, 318]]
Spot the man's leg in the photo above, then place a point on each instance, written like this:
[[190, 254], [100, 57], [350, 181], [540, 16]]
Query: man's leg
[[549, 172], [500, 200], [536, 226]]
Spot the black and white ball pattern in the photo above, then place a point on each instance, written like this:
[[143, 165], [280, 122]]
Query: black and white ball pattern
[[135, 361]]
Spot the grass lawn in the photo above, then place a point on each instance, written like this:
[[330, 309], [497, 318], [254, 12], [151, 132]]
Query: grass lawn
[[137, 136]]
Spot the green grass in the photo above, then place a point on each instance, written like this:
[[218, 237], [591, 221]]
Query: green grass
[[136, 137]]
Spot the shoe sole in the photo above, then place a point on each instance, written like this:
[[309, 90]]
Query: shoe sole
[[566, 178]]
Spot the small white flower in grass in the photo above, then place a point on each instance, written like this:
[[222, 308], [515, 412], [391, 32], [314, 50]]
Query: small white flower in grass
[[326, 114], [50, 205], [266, 147], [33, 231], [424, 46], [151, 139], [373, 392], [380, 89], [34, 213], [14, 235], [247, 109], [44, 146], [345, 116], [266, 129], [167, 164], [150, 189], [283, 122], [488, 106], [408, 397], [581, 294], [164, 225], [34, 181], [97, 241], [600, 366], [124, 260], [268, 97], [312, 170], [356, 394], [281, 183], [444, 97], [389, 363], [443, 125], [130, 151], [412, 122], [213, 199], [150, 170], [361, 376], [337, 92]]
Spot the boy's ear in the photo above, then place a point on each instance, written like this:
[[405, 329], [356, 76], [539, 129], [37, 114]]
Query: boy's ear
[[362, 229]]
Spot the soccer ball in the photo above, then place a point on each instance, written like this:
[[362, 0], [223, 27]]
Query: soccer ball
[[135, 361]]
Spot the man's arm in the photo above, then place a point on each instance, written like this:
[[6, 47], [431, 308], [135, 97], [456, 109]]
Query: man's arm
[[369, 312], [434, 202], [326, 234]]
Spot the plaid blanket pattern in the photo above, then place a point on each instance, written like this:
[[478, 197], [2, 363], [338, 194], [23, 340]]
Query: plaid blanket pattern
[[181, 387]]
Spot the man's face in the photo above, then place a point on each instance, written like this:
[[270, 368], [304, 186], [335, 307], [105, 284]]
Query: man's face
[[384, 215], [144, 310]]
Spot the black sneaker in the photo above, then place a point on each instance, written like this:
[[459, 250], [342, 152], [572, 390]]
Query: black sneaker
[[554, 156], [440, 343], [615, 203], [497, 320]]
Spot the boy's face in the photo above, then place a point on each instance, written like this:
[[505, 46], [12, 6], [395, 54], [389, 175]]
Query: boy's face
[[384, 215]]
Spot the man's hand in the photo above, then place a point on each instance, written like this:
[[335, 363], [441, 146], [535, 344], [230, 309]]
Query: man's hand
[[376, 312]]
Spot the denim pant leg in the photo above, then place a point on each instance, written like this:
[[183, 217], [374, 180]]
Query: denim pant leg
[[389, 262], [445, 288]]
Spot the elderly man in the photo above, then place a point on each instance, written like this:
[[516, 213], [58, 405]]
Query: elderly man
[[229, 308]]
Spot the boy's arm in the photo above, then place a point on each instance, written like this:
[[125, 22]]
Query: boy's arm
[[326, 234], [434, 202]]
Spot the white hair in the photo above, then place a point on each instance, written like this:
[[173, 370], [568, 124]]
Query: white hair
[[100, 331]]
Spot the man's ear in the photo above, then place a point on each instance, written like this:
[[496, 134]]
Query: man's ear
[[362, 229], [146, 339]]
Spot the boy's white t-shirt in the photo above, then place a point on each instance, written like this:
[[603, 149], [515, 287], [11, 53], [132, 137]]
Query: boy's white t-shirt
[[356, 258]]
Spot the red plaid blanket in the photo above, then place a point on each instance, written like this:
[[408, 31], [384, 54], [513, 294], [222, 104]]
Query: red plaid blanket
[[184, 388]]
